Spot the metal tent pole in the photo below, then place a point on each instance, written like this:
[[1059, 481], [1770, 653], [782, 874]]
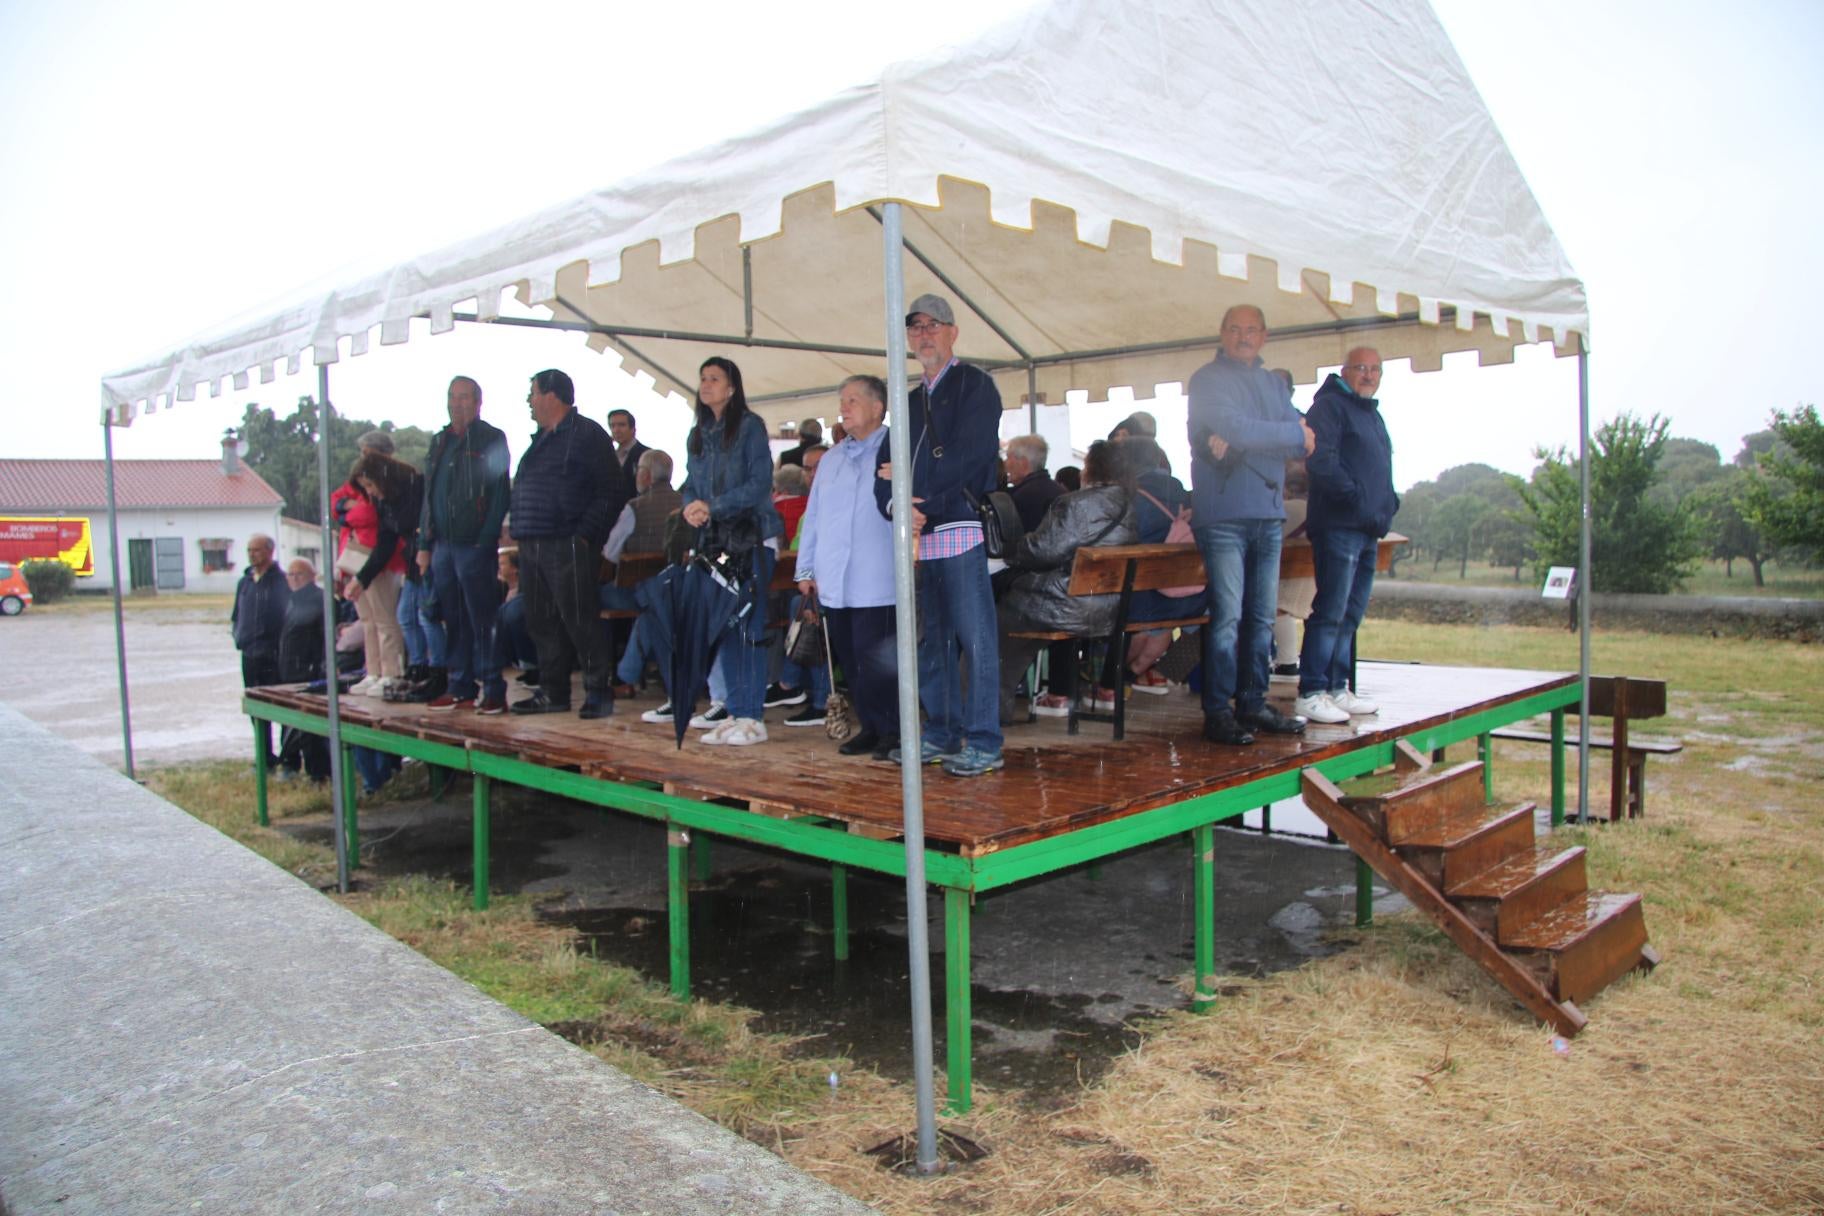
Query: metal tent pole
[[911, 773], [1584, 591], [120, 624], [333, 692]]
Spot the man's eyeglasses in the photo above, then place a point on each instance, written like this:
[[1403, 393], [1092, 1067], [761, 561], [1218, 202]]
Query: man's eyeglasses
[[1363, 368], [924, 327]]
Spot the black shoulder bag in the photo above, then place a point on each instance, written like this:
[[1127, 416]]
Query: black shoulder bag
[[999, 517]]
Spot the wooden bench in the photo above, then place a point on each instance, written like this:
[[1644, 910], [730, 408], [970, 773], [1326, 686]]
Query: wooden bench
[[1622, 700], [1121, 570]]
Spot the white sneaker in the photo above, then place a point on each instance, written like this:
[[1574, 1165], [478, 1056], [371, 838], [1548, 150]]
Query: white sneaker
[[1349, 703], [717, 735], [715, 715], [745, 732], [655, 716], [362, 687], [1318, 708]]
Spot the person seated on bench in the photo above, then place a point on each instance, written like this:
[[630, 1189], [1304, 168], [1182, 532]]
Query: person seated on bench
[[791, 491], [512, 637], [1101, 513], [1159, 499], [641, 526]]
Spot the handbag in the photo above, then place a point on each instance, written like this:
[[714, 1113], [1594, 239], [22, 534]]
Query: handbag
[[804, 642], [354, 555], [839, 721], [1179, 534], [1002, 527]]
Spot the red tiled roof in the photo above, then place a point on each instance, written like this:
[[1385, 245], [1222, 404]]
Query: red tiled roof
[[40, 485]]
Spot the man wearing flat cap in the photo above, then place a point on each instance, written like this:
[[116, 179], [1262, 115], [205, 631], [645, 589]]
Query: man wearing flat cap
[[954, 416]]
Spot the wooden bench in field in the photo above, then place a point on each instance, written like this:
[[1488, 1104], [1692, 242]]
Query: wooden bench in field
[[1622, 700], [1122, 570]]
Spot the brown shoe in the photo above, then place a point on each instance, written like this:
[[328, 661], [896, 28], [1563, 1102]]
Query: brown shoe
[[446, 703], [491, 705]]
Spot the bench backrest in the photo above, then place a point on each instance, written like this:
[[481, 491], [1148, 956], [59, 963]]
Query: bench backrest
[[1100, 569], [1636, 698]]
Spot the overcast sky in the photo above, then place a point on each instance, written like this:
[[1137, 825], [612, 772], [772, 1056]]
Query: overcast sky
[[167, 167]]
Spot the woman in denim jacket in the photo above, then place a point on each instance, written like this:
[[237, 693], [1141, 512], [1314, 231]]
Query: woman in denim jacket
[[729, 482]]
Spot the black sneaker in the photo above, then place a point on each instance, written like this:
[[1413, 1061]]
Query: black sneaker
[[779, 694], [866, 743], [1270, 721], [596, 705], [810, 715], [1221, 727], [539, 703]]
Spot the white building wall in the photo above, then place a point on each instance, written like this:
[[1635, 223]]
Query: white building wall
[[190, 525]]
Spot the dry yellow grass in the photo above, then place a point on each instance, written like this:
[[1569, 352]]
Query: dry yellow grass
[[1396, 1077]]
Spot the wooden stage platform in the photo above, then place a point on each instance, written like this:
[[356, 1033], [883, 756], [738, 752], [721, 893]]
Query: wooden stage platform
[[1062, 801]]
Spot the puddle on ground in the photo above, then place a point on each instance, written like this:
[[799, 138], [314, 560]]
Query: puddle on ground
[[764, 941]]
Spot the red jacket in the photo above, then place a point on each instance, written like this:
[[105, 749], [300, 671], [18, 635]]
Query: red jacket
[[361, 523]]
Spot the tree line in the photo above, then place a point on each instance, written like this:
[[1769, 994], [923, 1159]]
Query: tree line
[[1659, 505], [284, 451]]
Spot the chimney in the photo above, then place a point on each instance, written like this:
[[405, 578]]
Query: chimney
[[231, 453]]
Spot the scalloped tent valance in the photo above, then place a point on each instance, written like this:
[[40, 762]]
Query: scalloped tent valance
[[1096, 182]]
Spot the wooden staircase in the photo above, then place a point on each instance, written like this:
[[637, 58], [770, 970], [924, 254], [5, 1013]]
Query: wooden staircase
[[1522, 910]]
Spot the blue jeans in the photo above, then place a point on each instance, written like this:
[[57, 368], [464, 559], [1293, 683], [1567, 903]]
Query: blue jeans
[[512, 640], [742, 652], [956, 623], [1344, 562], [1241, 559], [464, 576], [423, 636]]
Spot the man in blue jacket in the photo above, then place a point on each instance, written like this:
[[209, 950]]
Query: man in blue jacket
[[465, 500], [955, 420], [258, 620], [1243, 429], [562, 495], [1351, 507]]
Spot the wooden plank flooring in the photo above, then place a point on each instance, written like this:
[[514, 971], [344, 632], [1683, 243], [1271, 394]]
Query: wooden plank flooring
[[1052, 783]]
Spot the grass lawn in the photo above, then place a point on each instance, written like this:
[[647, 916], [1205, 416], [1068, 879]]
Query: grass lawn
[[1390, 1077], [1796, 582]]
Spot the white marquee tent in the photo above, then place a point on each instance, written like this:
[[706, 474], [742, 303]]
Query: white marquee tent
[[1097, 180], [1092, 183]]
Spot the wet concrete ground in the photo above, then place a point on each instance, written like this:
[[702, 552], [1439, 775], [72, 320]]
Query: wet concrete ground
[[1062, 966]]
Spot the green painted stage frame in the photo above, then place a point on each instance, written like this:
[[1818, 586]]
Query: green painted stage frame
[[961, 878]]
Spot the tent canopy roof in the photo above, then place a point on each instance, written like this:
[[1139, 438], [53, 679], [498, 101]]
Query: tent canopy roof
[[1092, 184]]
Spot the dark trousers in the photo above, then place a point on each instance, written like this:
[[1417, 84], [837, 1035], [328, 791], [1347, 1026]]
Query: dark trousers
[[464, 579], [864, 642], [258, 669], [558, 580]]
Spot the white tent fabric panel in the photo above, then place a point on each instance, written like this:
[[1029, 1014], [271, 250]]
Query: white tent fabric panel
[[1093, 174]]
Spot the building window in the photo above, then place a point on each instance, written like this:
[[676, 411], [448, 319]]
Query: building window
[[215, 555]]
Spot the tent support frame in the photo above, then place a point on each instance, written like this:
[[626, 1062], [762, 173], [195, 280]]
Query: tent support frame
[[911, 772], [1583, 582], [120, 624], [340, 794]]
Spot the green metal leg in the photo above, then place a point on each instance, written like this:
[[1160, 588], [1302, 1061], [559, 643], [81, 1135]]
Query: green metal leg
[[1203, 883], [1094, 869], [677, 857], [260, 734], [1266, 820], [1364, 893], [956, 1000], [1557, 767], [481, 833], [351, 783], [1485, 752], [839, 908], [700, 859], [440, 782]]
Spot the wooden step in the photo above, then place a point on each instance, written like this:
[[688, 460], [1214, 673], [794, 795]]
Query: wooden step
[[1467, 842], [1421, 802], [1584, 944], [1518, 891]]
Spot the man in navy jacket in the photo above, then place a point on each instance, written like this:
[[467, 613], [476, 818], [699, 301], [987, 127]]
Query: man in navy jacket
[[562, 495], [1352, 506], [1243, 429], [955, 420]]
